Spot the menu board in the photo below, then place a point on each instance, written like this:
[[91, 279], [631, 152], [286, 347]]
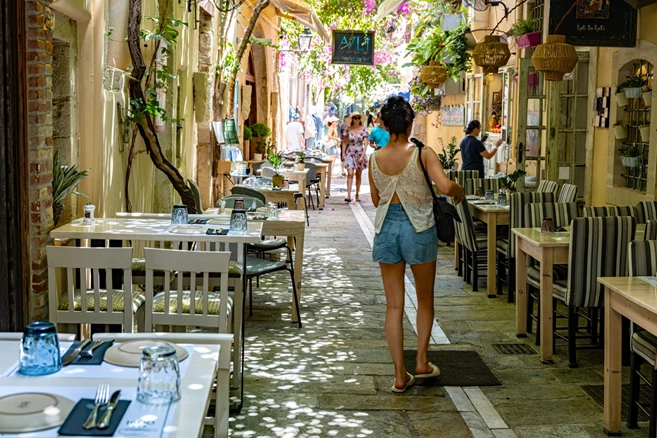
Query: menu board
[[353, 47], [595, 23]]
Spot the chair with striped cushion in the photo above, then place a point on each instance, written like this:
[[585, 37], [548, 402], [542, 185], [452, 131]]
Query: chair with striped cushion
[[547, 186], [642, 262], [562, 215], [474, 244], [461, 176], [598, 248], [506, 247], [568, 193], [485, 183], [651, 231], [608, 211], [646, 211]]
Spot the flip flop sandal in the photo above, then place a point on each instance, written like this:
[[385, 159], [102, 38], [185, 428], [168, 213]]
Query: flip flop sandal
[[408, 384], [347, 200], [434, 373]]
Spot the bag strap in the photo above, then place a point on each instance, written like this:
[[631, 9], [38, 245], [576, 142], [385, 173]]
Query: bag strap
[[420, 145]]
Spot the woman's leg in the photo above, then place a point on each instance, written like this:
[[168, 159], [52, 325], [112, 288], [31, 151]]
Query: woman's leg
[[393, 284], [425, 275], [342, 157], [350, 182], [359, 174]]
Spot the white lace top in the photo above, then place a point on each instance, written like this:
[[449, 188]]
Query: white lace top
[[412, 189]]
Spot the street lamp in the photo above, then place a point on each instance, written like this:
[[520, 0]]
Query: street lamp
[[304, 40]]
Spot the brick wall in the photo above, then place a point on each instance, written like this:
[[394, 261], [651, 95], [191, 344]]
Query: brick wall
[[40, 144]]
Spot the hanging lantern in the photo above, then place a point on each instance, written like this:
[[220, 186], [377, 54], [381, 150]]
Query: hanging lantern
[[433, 74], [491, 54], [555, 58]]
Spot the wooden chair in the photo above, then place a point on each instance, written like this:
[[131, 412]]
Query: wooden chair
[[568, 193], [474, 244], [608, 211], [91, 304], [17, 336], [643, 345], [461, 176], [598, 248], [184, 305], [222, 390], [547, 186], [646, 211]]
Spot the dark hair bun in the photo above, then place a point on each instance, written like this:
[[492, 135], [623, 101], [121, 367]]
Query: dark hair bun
[[474, 124], [397, 115]]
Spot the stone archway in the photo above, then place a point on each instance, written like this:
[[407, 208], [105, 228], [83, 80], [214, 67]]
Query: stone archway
[[259, 58]]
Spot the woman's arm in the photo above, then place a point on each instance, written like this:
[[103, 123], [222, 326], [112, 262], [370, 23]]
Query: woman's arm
[[366, 143], [374, 192], [488, 155], [437, 174]]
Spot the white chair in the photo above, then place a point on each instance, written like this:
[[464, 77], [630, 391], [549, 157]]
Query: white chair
[[181, 304], [220, 420], [100, 307], [17, 336]]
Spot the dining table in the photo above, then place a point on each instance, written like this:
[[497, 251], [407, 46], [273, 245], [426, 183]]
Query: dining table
[[634, 298], [182, 419], [548, 249], [492, 215], [153, 229], [276, 194], [298, 176]]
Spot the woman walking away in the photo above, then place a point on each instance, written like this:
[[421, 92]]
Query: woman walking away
[[473, 151], [332, 138], [406, 233], [356, 147]]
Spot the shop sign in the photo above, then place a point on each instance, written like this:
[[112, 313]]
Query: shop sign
[[353, 47], [602, 23]]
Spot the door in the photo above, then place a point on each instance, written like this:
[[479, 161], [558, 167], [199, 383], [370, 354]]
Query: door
[[531, 130]]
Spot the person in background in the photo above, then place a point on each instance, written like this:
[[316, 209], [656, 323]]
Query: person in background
[[379, 137], [294, 135], [309, 131], [473, 150], [405, 233], [331, 140], [319, 129], [357, 139], [370, 120], [342, 140]]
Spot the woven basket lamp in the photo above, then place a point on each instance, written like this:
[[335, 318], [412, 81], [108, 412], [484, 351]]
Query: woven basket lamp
[[491, 54], [433, 74], [555, 58]]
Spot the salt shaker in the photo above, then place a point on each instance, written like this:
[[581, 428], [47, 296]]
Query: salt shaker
[[88, 214]]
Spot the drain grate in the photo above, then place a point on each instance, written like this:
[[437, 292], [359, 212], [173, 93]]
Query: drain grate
[[514, 349], [597, 393]]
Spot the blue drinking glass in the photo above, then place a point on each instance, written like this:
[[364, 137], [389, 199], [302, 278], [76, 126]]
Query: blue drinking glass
[[39, 353], [179, 215], [238, 221]]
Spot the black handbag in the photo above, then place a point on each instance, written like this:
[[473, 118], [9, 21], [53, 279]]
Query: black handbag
[[443, 212]]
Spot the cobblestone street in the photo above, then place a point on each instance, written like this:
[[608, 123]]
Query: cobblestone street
[[333, 376]]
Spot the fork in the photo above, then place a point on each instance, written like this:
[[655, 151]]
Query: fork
[[102, 397], [88, 354]]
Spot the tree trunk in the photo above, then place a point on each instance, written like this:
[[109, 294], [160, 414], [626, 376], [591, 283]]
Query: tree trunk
[[146, 128]]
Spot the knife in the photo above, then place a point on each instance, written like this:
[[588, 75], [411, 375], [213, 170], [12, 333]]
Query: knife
[[71, 357], [107, 416]]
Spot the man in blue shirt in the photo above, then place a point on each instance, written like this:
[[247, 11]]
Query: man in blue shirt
[[379, 136]]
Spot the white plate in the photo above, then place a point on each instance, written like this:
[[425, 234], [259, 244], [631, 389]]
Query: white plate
[[187, 229], [33, 411], [128, 354]]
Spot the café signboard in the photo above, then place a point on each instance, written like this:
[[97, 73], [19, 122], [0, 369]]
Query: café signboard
[[353, 47]]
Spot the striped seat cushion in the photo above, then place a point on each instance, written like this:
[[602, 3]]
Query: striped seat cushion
[[568, 193], [651, 230], [534, 274], [560, 290], [138, 299], [608, 211], [214, 303], [139, 268], [645, 345], [547, 186], [646, 211], [502, 245], [234, 271]]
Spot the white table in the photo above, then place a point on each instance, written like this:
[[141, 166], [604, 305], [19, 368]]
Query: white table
[[184, 419], [156, 230], [293, 175]]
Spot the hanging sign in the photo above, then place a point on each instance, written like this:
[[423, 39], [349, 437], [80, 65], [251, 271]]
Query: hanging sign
[[601, 23], [353, 47]]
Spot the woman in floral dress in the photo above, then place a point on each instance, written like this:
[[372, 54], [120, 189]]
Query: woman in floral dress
[[356, 149]]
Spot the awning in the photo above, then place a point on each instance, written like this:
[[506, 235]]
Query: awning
[[387, 7], [303, 13]]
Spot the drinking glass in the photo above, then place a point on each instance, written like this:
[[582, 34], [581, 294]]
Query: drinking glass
[[490, 195], [88, 214], [272, 209], [159, 376], [501, 199], [39, 353], [179, 215], [238, 220]]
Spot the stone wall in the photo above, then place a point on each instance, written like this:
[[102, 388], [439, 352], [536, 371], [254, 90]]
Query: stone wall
[[40, 144]]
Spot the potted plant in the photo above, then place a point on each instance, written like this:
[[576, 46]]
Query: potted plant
[[632, 86], [527, 33], [301, 161], [509, 181], [276, 160], [630, 155], [259, 150], [246, 137], [65, 179], [447, 156]]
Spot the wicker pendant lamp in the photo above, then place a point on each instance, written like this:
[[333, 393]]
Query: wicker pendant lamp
[[491, 54], [555, 58], [433, 74]]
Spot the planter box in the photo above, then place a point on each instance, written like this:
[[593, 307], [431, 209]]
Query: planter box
[[633, 93], [620, 132], [257, 157], [647, 98], [631, 161], [531, 39], [277, 181], [645, 132], [621, 99]]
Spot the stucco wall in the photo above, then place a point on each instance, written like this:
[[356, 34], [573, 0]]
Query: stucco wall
[[439, 135]]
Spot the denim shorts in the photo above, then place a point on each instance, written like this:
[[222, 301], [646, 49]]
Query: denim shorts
[[399, 242]]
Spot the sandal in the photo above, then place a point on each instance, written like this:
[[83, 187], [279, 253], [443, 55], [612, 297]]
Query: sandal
[[409, 383], [347, 199], [434, 373]]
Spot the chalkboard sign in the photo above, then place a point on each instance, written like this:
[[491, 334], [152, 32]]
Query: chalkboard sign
[[595, 23], [353, 47]]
